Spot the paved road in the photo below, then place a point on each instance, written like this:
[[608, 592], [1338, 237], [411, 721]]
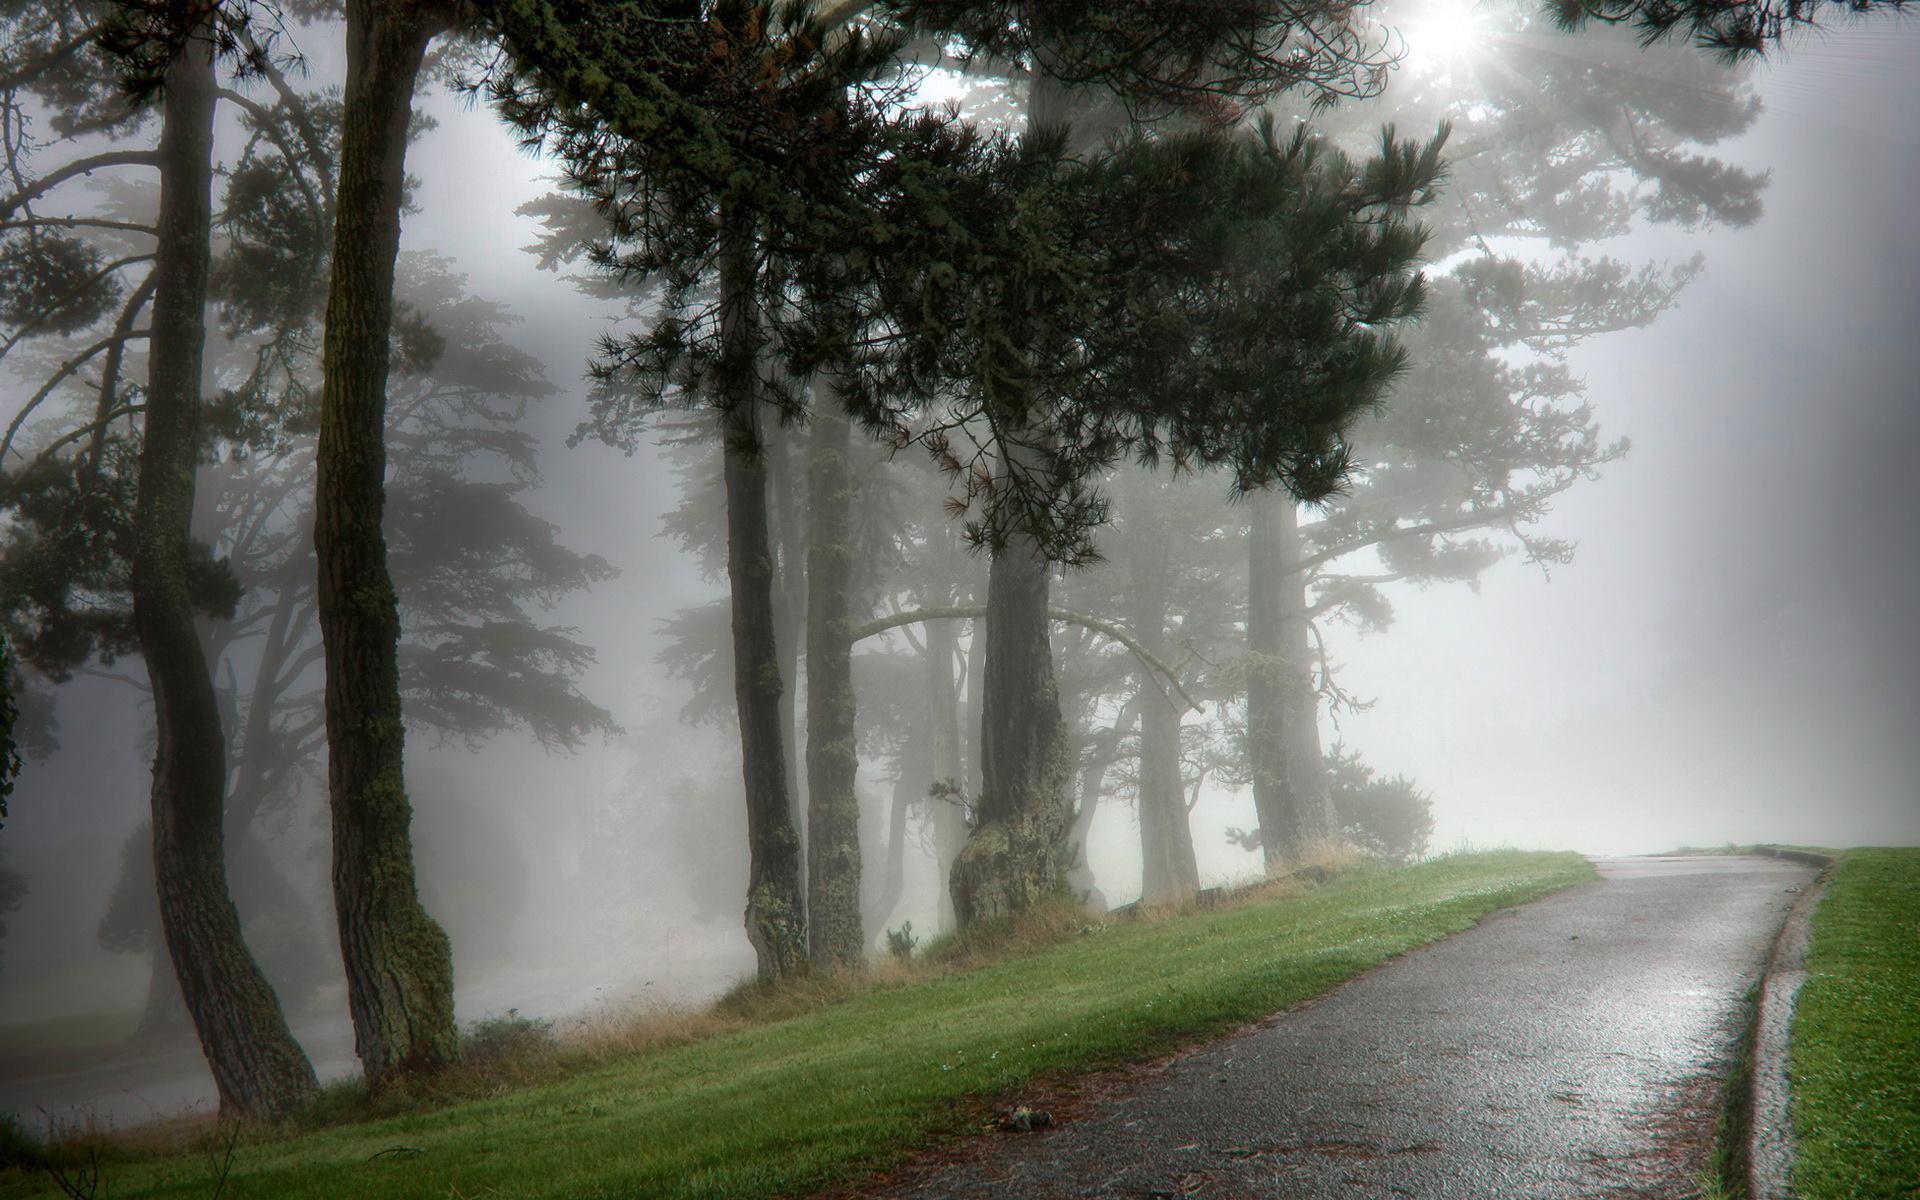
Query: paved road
[[1572, 1048]]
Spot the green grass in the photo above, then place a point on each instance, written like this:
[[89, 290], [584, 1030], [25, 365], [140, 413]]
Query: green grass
[[855, 1085], [1855, 1054]]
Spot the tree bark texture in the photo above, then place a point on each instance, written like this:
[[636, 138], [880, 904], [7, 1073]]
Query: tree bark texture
[[1169, 873], [1017, 852], [257, 1066], [1290, 793], [776, 916], [834, 934], [398, 962]]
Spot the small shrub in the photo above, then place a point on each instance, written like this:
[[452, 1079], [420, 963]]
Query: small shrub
[[900, 942], [498, 1041]]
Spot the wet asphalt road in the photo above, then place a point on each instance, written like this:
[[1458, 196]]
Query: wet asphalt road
[[1571, 1048]]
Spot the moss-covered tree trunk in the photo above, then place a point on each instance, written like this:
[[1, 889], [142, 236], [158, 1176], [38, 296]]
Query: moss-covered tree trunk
[[257, 1066], [399, 965], [776, 914], [1290, 792], [1016, 853], [1169, 873], [834, 934]]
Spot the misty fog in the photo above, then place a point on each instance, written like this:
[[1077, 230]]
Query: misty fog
[[1726, 654]]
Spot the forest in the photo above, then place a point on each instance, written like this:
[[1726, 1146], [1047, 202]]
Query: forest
[[1040, 392]]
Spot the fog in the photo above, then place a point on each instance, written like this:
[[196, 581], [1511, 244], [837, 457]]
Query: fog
[[1729, 656]]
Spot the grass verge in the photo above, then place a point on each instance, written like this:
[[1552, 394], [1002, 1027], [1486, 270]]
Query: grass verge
[[862, 1077], [1855, 1046]]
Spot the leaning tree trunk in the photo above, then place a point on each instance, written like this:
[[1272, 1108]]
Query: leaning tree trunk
[[834, 934], [1308, 799], [1169, 873], [398, 963], [258, 1067], [1017, 852], [776, 917]]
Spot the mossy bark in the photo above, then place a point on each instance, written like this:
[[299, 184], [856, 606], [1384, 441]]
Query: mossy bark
[[776, 917], [1017, 854], [1290, 793], [257, 1066], [399, 965], [1169, 873], [834, 934]]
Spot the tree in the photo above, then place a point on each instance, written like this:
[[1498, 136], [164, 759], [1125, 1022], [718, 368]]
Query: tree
[[663, 120], [1386, 818], [1182, 364], [476, 661], [399, 965], [74, 62], [9, 716], [1489, 426], [13, 889], [1733, 29], [835, 935], [257, 1066]]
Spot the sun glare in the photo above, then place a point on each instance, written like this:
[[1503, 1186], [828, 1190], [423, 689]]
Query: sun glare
[[1444, 33]]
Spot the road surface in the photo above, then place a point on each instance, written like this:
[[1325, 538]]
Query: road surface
[[1571, 1048]]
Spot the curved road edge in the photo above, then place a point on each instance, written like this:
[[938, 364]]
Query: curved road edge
[[1770, 1142]]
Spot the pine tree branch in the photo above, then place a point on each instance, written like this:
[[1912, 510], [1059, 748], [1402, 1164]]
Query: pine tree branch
[[74, 169], [1474, 519], [37, 222], [67, 371], [73, 293], [32, 67]]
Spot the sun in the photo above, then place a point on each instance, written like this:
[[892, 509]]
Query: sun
[[1444, 33]]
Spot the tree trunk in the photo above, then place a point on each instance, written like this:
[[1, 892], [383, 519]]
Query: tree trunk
[[1103, 750], [259, 1069], [1309, 800], [1169, 873], [775, 917], [398, 963], [1265, 755], [1016, 853], [790, 598], [975, 717], [834, 934], [895, 885], [943, 714], [1283, 735]]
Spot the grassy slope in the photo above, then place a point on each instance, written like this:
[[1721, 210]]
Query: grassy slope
[[839, 1092], [1855, 1057]]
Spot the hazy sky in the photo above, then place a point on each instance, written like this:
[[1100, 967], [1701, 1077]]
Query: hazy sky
[[1733, 653]]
